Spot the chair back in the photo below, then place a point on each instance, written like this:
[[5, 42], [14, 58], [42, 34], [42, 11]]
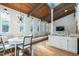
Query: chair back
[[27, 43], [5, 39], [27, 40], [2, 45]]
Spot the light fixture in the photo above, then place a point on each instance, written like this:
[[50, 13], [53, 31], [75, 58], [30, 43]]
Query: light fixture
[[20, 17], [66, 10]]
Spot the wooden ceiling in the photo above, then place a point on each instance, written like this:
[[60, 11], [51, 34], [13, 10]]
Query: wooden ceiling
[[63, 9], [41, 10]]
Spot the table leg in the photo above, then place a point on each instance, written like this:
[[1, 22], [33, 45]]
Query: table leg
[[15, 49]]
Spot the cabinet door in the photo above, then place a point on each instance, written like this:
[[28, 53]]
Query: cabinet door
[[53, 41], [50, 39], [56, 41], [63, 43], [72, 45]]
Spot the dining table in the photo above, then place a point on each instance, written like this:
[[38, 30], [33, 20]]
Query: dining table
[[15, 41]]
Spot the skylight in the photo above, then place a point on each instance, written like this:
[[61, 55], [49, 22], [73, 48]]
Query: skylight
[[52, 5]]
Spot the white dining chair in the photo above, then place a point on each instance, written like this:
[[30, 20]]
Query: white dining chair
[[27, 43], [5, 44], [1, 47]]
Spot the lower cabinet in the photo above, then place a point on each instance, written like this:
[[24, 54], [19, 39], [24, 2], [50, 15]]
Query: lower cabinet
[[55, 42], [50, 40], [65, 43], [72, 45], [59, 42]]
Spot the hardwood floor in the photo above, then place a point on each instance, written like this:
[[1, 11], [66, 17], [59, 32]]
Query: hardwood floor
[[44, 49]]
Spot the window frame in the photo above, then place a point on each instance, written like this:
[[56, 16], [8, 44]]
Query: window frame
[[20, 27], [22, 23], [2, 23]]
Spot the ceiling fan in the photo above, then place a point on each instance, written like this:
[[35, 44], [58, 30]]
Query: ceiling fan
[[21, 18]]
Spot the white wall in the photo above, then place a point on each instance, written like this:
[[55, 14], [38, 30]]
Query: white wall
[[68, 22], [14, 25], [77, 16]]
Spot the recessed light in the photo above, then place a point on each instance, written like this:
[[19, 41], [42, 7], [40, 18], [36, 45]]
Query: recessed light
[[66, 10]]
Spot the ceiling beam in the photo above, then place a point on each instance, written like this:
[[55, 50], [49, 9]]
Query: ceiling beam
[[36, 9], [48, 18]]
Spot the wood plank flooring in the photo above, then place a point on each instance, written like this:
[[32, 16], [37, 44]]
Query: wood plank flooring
[[44, 49]]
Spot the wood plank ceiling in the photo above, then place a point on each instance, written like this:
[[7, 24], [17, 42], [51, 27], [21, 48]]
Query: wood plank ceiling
[[41, 10], [63, 9]]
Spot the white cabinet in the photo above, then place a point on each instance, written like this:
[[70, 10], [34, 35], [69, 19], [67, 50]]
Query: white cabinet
[[59, 42], [55, 41], [63, 43], [50, 40], [72, 45]]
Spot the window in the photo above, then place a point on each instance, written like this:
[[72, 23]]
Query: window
[[5, 17], [5, 26], [31, 29], [41, 27], [31, 25], [21, 27], [21, 23], [38, 27]]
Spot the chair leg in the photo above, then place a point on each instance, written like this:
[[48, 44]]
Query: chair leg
[[3, 52], [23, 52], [11, 51], [31, 51], [18, 52]]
